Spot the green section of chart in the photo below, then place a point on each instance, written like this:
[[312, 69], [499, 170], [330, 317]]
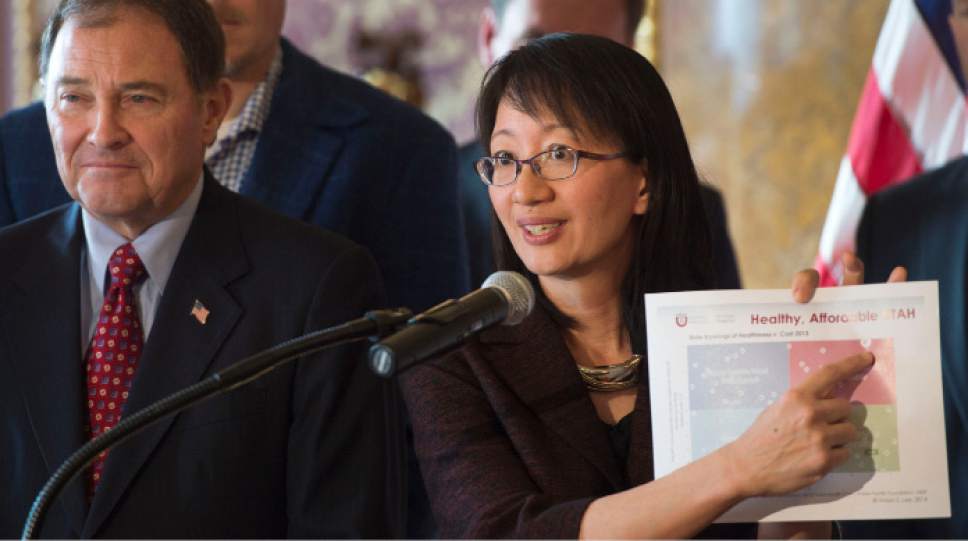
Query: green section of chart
[[877, 448]]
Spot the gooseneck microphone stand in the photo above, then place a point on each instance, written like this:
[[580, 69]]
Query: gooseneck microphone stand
[[374, 324]]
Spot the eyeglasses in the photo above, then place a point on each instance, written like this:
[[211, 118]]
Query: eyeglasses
[[557, 163]]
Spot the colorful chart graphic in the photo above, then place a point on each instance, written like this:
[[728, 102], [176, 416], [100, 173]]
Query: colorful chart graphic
[[729, 385]]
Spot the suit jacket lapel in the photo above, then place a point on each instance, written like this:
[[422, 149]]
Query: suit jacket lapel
[[288, 176], [550, 386], [180, 348], [42, 327]]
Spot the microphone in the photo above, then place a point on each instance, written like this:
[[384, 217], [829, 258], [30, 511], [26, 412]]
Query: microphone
[[374, 323], [505, 297]]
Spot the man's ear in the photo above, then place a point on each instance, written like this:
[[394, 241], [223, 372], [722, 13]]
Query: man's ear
[[216, 104], [486, 30], [642, 200]]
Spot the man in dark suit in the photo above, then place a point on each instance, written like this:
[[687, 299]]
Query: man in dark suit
[[504, 25], [922, 225], [156, 277], [331, 150], [311, 143]]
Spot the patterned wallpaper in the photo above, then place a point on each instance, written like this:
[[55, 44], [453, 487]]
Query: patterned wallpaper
[[449, 69]]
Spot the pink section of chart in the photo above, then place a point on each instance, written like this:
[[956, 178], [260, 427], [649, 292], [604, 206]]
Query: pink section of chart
[[876, 386]]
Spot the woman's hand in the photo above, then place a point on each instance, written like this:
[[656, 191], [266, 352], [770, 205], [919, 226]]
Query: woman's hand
[[805, 282], [792, 444], [800, 438]]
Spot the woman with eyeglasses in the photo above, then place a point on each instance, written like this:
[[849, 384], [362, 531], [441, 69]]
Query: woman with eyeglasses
[[543, 429]]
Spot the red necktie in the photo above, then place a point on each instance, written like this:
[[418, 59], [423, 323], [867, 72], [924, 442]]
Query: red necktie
[[112, 357]]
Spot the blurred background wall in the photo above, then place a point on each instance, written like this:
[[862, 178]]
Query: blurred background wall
[[766, 89], [6, 46], [433, 42], [20, 28]]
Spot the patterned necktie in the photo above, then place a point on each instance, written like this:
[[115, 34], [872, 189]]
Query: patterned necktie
[[112, 357]]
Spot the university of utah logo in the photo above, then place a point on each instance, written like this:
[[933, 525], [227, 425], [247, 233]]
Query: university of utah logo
[[681, 320]]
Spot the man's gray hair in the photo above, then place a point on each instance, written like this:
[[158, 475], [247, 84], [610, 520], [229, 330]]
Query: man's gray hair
[[192, 22]]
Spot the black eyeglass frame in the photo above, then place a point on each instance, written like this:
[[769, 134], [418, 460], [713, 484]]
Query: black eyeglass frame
[[579, 154]]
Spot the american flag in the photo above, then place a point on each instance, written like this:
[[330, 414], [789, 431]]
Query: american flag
[[200, 312], [911, 118]]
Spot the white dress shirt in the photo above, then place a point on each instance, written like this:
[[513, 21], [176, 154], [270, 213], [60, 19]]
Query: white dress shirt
[[157, 246]]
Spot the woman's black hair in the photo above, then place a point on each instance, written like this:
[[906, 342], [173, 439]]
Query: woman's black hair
[[606, 91]]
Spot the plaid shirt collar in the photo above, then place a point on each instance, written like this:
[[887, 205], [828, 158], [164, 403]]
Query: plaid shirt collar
[[256, 108]]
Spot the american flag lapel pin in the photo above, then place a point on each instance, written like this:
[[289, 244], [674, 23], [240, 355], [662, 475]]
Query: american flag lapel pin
[[200, 312]]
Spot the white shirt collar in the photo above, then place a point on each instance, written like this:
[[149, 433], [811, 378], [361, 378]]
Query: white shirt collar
[[158, 246]]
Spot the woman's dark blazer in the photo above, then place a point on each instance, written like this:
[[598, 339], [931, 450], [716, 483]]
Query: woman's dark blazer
[[509, 442]]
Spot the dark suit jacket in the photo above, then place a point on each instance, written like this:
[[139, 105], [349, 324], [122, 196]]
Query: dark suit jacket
[[923, 225], [509, 442], [304, 451], [477, 222], [334, 152]]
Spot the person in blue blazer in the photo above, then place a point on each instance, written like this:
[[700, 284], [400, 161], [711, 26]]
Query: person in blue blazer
[[922, 225], [311, 449]]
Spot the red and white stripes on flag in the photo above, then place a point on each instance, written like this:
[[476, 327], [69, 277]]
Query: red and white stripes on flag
[[911, 117]]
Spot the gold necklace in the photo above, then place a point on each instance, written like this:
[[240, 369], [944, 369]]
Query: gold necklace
[[611, 377]]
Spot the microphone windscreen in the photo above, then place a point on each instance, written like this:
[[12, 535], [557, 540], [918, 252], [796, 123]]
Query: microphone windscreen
[[519, 293]]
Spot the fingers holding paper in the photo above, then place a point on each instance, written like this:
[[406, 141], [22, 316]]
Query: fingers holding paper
[[800, 438], [853, 269], [806, 281], [899, 274], [804, 285]]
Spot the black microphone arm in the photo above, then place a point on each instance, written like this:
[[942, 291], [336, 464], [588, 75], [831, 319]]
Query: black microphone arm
[[505, 297], [376, 323]]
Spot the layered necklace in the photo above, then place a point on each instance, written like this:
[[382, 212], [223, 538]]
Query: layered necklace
[[611, 377]]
